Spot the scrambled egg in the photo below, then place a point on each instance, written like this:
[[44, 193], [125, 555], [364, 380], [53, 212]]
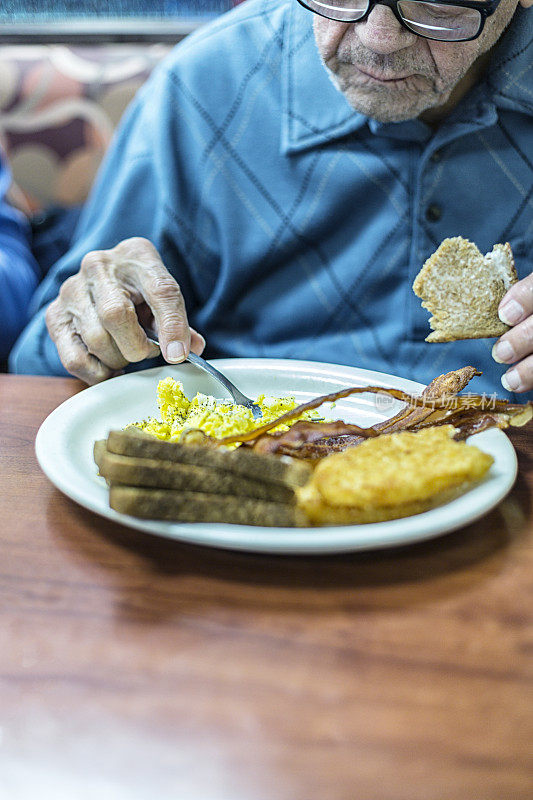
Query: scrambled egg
[[216, 418]]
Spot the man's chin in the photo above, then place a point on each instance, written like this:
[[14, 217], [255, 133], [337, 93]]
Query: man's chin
[[381, 107], [388, 103]]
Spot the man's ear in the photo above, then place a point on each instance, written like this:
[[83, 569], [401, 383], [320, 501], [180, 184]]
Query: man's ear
[[526, 3]]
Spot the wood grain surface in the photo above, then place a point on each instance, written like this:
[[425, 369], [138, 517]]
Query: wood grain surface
[[136, 668]]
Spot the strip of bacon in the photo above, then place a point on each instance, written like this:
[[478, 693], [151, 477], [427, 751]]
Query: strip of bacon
[[303, 432], [466, 424], [446, 385], [302, 435], [437, 404]]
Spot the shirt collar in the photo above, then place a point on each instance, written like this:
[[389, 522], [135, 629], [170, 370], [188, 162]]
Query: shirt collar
[[510, 75], [314, 111]]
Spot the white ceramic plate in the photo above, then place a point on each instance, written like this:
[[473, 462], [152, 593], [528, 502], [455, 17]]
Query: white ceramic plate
[[65, 441]]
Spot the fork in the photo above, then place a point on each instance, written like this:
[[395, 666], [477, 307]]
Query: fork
[[238, 397]]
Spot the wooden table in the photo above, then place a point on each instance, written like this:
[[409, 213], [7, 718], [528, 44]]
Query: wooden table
[[136, 668]]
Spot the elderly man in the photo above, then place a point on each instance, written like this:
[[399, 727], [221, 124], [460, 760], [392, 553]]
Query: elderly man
[[286, 173]]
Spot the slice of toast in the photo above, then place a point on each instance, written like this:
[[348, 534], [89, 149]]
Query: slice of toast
[[242, 461], [167, 504], [151, 472], [462, 289]]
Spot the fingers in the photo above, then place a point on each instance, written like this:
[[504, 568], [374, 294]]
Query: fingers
[[94, 321], [517, 304], [161, 292], [197, 342], [520, 377], [109, 306], [516, 346], [72, 351], [164, 297], [86, 349], [81, 314]]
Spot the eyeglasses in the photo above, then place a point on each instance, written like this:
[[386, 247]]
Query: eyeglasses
[[445, 22]]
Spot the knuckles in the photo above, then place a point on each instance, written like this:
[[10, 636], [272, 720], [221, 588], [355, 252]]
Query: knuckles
[[136, 242], [522, 291], [84, 365], [106, 284], [522, 336], [96, 340], [92, 261], [136, 247], [69, 289], [165, 287], [170, 323], [117, 315], [525, 370], [51, 317], [528, 329], [75, 363]]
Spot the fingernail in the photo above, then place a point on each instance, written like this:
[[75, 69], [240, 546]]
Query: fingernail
[[511, 312], [511, 380], [503, 353], [175, 352]]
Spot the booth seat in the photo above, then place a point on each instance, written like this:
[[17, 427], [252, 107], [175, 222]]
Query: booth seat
[[59, 106]]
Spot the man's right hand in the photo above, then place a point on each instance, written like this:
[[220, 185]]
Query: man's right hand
[[94, 322]]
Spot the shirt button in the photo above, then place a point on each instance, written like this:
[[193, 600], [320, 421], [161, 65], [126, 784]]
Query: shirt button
[[436, 156], [39, 218], [433, 213]]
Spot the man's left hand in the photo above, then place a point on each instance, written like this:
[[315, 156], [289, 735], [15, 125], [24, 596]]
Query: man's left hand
[[516, 346]]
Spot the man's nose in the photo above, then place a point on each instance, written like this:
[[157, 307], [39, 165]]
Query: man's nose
[[382, 33]]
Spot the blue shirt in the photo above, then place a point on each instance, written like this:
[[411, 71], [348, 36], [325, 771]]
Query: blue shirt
[[295, 225], [19, 273]]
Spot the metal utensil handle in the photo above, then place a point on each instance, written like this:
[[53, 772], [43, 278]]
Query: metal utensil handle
[[238, 397]]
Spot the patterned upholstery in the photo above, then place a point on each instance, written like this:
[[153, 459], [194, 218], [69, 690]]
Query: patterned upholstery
[[59, 106]]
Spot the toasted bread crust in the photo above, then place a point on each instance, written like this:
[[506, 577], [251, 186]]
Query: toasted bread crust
[[287, 472], [151, 472], [462, 289], [195, 483], [168, 504]]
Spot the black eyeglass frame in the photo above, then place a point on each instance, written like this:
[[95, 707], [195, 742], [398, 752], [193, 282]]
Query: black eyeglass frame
[[486, 9]]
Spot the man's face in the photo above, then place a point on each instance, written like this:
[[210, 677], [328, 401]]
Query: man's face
[[388, 73]]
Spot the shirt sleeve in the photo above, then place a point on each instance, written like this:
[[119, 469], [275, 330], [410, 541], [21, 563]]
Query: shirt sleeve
[[129, 198], [19, 272]]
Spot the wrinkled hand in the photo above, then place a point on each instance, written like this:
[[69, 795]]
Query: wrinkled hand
[[516, 346], [94, 321]]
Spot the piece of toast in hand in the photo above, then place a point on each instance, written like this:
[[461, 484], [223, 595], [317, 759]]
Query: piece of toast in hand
[[463, 289]]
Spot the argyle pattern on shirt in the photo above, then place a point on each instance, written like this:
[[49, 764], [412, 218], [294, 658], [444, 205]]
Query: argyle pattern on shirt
[[295, 225]]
